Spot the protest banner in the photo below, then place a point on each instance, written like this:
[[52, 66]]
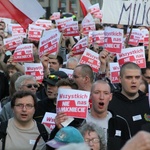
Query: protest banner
[[71, 29], [113, 39], [17, 30], [87, 27], [126, 12], [47, 24], [23, 53], [80, 46], [114, 72], [49, 43], [73, 102], [91, 58], [96, 37], [48, 120], [135, 36], [61, 23], [35, 32], [55, 16], [132, 54], [34, 69], [13, 42], [88, 18], [69, 72]]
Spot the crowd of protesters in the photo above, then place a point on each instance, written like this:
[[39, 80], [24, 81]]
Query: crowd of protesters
[[117, 112]]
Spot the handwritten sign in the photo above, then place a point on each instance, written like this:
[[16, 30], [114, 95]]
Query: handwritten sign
[[126, 12], [73, 102], [133, 54], [91, 58]]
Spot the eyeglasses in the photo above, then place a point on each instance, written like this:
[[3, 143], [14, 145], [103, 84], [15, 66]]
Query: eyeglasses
[[54, 77], [31, 85], [94, 140], [27, 106]]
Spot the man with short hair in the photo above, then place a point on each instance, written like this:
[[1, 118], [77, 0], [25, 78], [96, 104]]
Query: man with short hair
[[131, 103], [23, 83]]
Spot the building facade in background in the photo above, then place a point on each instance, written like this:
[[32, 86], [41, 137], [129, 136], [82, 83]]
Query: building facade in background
[[71, 6]]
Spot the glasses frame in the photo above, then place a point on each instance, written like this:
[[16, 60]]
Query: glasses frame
[[27, 106], [30, 85]]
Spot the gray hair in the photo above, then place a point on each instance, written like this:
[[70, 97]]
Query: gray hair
[[91, 127], [21, 81], [72, 60], [75, 146]]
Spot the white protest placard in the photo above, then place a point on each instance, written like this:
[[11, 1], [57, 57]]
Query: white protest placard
[[145, 33], [48, 120], [91, 58], [88, 18], [132, 54], [23, 53], [87, 27], [34, 69], [126, 12], [71, 29], [49, 42], [17, 30], [96, 37], [134, 37], [113, 39], [94, 8], [80, 46], [73, 102], [69, 72], [61, 23], [13, 42], [114, 72], [55, 16], [47, 24], [35, 32]]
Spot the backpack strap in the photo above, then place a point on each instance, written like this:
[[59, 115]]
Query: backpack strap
[[3, 133], [43, 134]]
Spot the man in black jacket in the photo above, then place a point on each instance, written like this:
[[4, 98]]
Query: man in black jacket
[[131, 103]]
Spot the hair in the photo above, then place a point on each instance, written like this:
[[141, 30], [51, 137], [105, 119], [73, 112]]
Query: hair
[[129, 65], [99, 26], [10, 66], [59, 58], [86, 70], [21, 94], [67, 82], [72, 60], [100, 81], [75, 146], [21, 80], [91, 127], [145, 83], [13, 78]]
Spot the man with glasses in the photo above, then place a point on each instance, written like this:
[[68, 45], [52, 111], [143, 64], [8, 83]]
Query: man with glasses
[[23, 83], [22, 130]]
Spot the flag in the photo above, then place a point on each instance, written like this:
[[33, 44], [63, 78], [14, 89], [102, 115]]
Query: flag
[[84, 4], [23, 11]]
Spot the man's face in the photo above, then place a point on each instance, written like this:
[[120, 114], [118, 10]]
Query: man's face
[[51, 91], [54, 64], [25, 113], [30, 85], [78, 78], [146, 76], [11, 72], [92, 139], [101, 97], [130, 82]]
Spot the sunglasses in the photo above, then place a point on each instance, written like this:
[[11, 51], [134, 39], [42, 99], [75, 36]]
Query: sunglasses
[[54, 77], [31, 85]]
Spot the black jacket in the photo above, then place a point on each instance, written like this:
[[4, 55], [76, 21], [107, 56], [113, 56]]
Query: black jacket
[[135, 111], [46, 105]]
